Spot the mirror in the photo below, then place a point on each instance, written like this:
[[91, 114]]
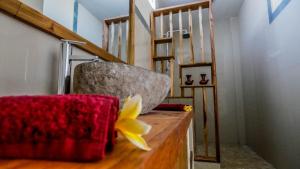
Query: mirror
[[105, 23]]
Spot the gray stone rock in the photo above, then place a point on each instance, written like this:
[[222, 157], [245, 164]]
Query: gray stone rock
[[121, 80]]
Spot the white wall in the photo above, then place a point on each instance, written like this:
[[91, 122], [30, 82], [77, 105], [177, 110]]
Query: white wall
[[35, 4], [60, 11], [88, 26], [270, 59], [28, 59]]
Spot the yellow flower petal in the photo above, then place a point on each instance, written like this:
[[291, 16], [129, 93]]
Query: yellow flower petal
[[133, 126], [131, 108], [188, 108], [137, 140]]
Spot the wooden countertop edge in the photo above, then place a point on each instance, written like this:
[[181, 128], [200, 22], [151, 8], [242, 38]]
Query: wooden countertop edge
[[167, 140]]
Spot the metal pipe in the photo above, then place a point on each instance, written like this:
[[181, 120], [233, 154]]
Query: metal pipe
[[65, 62]]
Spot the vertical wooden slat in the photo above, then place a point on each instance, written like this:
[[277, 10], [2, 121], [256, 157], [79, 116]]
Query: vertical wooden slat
[[127, 38], [214, 80], [202, 50], [194, 121], [162, 63], [131, 39], [180, 39], [153, 36], [112, 38], [191, 37], [205, 122], [120, 41], [161, 25], [172, 76], [171, 24], [172, 61], [105, 37]]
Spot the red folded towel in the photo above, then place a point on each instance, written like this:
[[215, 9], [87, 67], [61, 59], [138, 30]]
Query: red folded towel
[[69, 127], [171, 107]]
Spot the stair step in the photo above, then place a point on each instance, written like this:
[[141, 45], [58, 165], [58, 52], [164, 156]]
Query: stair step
[[196, 64], [197, 86], [163, 40], [160, 58]]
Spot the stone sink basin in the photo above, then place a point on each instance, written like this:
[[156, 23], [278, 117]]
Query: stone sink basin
[[121, 80]]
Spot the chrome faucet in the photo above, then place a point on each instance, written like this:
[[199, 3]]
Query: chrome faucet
[[65, 65]]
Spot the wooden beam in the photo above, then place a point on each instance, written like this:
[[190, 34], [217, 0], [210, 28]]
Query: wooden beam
[[117, 19], [181, 60], [202, 50], [36, 19], [191, 37], [131, 41], [205, 120], [112, 37], [153, 37], [120, 41], [172, 61], [105, 37], [214, 81], [171, 23], [127, 39], [183, 8], [161, 26]]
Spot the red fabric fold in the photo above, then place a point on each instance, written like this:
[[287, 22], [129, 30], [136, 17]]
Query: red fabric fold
[[62, 127], [170, 107]]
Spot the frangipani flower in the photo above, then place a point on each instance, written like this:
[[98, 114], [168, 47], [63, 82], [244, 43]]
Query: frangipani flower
[[129, 126], [188, 108]]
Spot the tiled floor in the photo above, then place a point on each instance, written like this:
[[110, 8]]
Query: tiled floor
[[237, 157]]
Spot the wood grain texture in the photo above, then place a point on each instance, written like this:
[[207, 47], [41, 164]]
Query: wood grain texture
[[112, 37], [105, 37], [153, 37], [181, 61], [205, 121], [34, 18], [183, 8], [192, 53], [131, 39], [120, 41], [202, 50], [214, 81], [117, 19], [167, 140]]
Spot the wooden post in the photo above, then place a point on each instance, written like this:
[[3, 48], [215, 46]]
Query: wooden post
[[202, 50], [161, 25], [172, 54], [105, 36], [181, 60], [127, 39], [205, 125], [120, 41], [191, 37], [153, 36], [131, 39], [112, 38], [214, 80]]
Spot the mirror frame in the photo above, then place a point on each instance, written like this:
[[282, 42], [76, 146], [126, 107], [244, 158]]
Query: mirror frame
[[36, 19]]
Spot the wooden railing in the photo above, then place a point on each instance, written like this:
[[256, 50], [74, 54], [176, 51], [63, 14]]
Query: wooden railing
[[180, 9], [109, 30]]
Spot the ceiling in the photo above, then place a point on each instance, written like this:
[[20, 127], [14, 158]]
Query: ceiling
[[222, 8], [106, 8]]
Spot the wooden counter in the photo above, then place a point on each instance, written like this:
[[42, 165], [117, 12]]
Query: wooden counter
[[167, 140]]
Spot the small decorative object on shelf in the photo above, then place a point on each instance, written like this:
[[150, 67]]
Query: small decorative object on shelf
[[203, 80], [189, 80]]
